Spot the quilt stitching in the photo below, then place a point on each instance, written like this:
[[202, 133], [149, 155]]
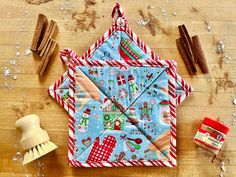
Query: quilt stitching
[[165, 163], [140, 65]]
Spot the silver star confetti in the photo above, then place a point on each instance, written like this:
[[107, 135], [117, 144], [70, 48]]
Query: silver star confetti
[[6, 72]]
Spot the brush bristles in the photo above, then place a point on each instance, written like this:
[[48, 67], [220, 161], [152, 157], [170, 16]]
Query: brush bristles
[[38, 151]]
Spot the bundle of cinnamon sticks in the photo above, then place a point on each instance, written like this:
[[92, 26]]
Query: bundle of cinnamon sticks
[[191, 51], [43, 43]]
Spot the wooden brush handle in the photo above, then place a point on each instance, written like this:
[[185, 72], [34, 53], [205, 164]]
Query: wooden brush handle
[[32, 134]]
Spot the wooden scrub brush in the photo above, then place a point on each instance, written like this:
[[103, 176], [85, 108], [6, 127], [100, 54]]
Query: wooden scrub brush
[[34, 140]]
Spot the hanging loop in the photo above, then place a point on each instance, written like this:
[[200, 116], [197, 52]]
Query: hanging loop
[[118, 16]]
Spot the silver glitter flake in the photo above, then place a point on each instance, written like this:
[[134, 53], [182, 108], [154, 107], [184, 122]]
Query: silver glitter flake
[[6, 72], [221, 175], [40, 168], [14, 77], [28, 52], [234, 101], [17, 49], [208, 27], [221, 50], [150, 7], [142, 22], [13, 62], [174, 13], [67, 9], [222, 166], [17, 157], [163, 11], [226, 59], [233, 119], [17, 53], [220, 47]]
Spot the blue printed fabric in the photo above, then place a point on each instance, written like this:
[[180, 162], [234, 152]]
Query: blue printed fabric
[[119, 46], [124, 110]]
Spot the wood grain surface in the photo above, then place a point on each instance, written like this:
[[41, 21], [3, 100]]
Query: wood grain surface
[[29, 94]]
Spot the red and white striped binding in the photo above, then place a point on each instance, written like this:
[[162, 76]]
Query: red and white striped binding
[[126, 63], [170, 66], [69, 56]]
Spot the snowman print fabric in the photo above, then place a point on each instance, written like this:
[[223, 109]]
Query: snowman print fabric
[[121, 101]]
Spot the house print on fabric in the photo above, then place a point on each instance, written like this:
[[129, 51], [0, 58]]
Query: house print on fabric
[[113, 119]]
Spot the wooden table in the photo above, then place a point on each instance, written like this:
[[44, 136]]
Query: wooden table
[[29, 94]]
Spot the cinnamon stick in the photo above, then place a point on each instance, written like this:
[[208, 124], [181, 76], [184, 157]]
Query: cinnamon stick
[[46, 37], [51, 34], [182, 50], [199, 54], [46, 57], [187, 40], [38, 32], [42, 52]]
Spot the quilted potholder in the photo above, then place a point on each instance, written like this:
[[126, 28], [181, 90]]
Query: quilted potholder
[[128, 114], [122, 125]]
